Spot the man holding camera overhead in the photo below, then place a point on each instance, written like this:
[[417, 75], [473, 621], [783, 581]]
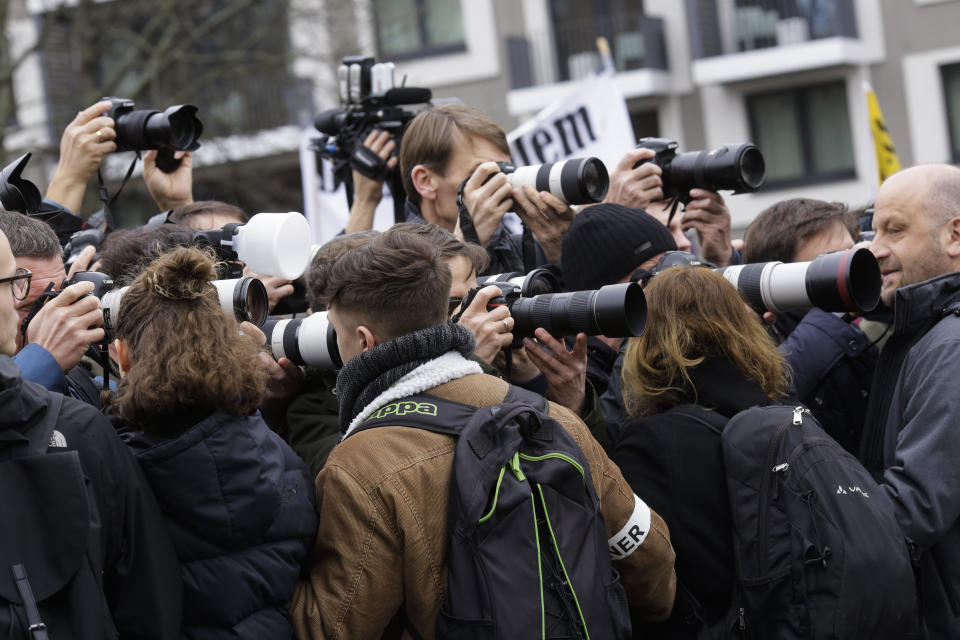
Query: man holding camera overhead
[[637, 182]]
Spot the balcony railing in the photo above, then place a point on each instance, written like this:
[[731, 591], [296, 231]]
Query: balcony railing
[[720, 27], [568, 51]]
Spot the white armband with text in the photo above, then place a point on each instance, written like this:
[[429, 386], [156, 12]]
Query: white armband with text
[[632, 535]]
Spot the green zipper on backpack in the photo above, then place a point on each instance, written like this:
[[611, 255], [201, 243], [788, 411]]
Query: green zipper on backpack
[[554, 456], [556, 548], [536, 531]]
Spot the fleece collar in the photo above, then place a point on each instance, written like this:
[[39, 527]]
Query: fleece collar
[[449, 366]]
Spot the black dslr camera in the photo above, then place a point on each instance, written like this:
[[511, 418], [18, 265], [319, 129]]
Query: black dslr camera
[[368, 100], [617, 310], [175, 129], [736, 167]]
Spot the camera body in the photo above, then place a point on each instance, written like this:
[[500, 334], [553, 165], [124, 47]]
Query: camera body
[[368, 100], [736, 167], [175, 129], [79, 241]]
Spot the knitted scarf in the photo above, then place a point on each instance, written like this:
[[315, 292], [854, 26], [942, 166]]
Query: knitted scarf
[[374, 371]]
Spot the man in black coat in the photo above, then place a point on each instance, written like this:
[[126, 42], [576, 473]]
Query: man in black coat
[[110, 526]]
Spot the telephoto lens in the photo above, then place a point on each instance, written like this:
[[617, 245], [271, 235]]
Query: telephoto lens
[[245, 298], [841, 281], [310, 341], [537, 282], [615, 311], [575, 181], [177, 127]]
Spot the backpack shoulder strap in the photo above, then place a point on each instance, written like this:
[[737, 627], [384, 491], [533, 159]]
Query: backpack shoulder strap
[[423, 412], [525, 396]]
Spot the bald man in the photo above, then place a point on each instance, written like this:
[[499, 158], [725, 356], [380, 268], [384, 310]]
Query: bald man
[[911, 440]]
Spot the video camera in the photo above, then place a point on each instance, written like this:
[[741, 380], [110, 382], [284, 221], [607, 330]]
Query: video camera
[[736, 167], [368, 99], [243, 298], [270, 244], [175, 129]]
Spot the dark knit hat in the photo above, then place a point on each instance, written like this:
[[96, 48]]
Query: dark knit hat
[[606, 242]]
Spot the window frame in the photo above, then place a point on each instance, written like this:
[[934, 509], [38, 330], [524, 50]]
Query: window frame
[[952, 131], [800, 101], [424, 51]]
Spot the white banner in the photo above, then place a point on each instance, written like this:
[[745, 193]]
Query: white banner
[[591, 121]]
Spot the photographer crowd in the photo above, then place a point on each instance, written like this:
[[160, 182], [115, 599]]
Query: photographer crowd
[[612, 424]]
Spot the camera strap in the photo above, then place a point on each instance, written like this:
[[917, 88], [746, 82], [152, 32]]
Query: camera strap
[[105, 194], [41, 300], [466, 222]]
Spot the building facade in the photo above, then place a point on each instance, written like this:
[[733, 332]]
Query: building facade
[[788, 75]]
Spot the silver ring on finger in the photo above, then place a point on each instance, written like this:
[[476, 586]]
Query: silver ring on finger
[[506, 325], [99, 135]]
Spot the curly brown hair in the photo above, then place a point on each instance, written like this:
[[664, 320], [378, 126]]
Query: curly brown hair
[[694, 314], [187, 355]]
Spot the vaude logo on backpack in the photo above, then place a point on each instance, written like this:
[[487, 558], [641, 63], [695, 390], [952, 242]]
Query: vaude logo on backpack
[[528, 552], [818, 551]]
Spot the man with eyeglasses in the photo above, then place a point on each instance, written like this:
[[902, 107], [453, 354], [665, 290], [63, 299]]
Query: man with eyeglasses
[[57, 336]]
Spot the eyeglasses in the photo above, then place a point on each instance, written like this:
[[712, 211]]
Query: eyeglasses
[[19, 282]]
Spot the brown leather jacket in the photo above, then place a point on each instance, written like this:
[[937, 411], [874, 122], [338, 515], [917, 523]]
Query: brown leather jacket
[[381, 545]]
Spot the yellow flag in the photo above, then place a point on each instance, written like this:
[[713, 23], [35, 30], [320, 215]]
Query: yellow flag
[[887, 162]]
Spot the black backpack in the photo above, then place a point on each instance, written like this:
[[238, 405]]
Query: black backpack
[[818, 551], [50, 577], [528, 554]]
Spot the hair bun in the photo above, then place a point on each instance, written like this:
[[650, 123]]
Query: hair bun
[[183, 274]]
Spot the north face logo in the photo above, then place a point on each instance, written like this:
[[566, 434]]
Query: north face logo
[[57, 440]]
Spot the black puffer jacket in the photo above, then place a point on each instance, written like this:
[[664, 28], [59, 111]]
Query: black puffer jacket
[[240, 507]]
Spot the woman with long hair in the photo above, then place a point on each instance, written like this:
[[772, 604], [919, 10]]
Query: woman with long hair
[[238, 502], [703, 358]]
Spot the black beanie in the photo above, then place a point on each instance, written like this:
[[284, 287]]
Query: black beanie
[[606, 242]]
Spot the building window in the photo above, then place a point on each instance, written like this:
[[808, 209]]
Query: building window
[[804, 134], [415, 28], [951, 89], [646, 124]]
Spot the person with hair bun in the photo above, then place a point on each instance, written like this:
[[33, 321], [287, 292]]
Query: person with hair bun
[[238, 501], [702, 359]]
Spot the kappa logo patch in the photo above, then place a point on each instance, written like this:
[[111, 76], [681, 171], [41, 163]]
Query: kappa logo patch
[[404, 408]]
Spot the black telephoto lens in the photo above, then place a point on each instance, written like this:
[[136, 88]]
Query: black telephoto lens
[[616, 311]]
